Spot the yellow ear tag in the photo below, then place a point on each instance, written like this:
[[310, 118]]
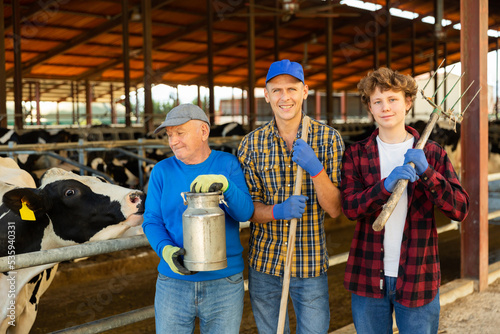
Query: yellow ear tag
[[26, 213]]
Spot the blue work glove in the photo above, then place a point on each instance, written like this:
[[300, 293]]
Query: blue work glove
[[304, 156], [172, 255], [293, 207], [405, 172], [418, 158], [209, 183]]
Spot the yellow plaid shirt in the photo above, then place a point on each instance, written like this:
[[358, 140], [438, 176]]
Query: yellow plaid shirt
[[270, 175]]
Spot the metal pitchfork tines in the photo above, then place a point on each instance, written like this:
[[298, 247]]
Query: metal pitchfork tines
[[388, 208]]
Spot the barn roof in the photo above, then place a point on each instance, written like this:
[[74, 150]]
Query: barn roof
[[66, 41]]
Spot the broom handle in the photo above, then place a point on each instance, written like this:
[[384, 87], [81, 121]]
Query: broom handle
[[400, 187], [291, 239]]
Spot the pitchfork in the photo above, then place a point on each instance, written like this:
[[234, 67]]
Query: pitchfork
[[388, 208]]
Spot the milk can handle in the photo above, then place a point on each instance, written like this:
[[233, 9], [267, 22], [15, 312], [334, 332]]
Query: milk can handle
[[221, 198]]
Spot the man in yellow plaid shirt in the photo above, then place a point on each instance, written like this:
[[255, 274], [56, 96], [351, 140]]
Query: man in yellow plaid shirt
[[269, 156]]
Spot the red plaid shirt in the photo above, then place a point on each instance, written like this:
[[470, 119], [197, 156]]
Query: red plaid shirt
[[363, 195]]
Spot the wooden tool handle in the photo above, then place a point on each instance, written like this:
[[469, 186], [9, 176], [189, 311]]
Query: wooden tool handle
[[291, 239], [389, 207]]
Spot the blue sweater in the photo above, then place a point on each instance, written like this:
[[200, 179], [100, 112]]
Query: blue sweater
[[165, 206]]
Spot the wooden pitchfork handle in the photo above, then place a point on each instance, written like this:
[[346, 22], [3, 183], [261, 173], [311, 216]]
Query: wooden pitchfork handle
[[389, 207], [291, 239]]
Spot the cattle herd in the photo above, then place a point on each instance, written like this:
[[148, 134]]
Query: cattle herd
[[44, 205]]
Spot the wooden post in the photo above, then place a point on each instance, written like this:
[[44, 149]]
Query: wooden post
[[474, 140], [3, 78]]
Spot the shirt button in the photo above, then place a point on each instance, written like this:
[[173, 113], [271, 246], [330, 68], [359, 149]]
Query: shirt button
[[425, 178], [433, 191], [381, 271], [289, 185], [381, 249], [286, 243], [289, 166]]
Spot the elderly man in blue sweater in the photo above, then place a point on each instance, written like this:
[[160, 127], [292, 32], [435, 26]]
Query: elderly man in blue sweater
[[215, 297]]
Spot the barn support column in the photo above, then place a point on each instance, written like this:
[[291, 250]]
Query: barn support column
[[276, 35], [73, 100], [251, 66], [242, 106], [376, 59], [329, 70], [77, 99], [113, 109], [474, 140], [496, 100], [30, 99], [343, 106], [3, 77], [126, 68], [37, 101], [412, 48], [388, 34], [148, 64], [198, 91], [438, 33], [210, 53], [88, 102], [18, 77], [317, 97], [137, 104], [58, 114], [445, 64]]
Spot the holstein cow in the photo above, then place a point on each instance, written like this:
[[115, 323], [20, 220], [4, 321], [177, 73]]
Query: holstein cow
[[67, 209]]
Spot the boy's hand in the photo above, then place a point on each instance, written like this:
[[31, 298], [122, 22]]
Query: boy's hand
[[405, 172], [304, 156], [418, 158]]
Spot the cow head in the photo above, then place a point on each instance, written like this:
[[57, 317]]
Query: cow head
[[77, 208]]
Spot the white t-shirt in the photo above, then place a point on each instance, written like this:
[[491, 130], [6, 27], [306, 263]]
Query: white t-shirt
[[391, 156]]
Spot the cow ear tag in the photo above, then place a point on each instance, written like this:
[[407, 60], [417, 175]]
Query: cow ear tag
[[26, 213]]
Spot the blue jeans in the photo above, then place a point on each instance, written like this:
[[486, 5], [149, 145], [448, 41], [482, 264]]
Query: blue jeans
[[374, 315], [218, 304], [309, 297]]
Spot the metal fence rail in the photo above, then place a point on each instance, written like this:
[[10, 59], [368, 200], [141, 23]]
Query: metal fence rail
[[72, 252], [112, 322]]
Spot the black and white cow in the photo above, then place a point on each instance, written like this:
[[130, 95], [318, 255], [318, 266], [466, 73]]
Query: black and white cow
[[68, 209], [7, 135]]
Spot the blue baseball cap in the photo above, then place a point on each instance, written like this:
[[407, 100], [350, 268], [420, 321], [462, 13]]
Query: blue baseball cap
[[285, 66]]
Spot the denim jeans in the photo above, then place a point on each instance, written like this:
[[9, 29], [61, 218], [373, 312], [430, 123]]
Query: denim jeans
[[309, 297], [218, 304], [374, 315]]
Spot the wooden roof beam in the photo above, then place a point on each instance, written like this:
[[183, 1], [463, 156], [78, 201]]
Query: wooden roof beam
[[114, 22]]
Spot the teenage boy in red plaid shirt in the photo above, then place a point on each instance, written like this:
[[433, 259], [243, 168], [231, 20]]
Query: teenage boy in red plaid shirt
[[397, 268]]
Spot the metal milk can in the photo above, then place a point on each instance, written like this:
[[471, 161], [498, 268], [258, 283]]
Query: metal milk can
[[204, 231]]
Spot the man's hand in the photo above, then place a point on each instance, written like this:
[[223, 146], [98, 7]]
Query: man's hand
[[304, 156], [418, 158], [293, 207], [209, 183], [405, 172], [172, 255]]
